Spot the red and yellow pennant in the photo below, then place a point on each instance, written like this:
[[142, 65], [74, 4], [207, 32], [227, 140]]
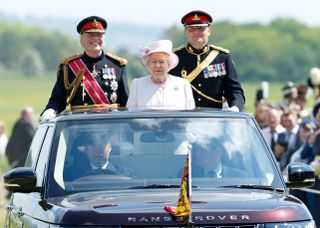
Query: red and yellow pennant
[[184, 207]]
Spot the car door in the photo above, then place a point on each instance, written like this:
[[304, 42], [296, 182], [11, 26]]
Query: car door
[[21, 205]]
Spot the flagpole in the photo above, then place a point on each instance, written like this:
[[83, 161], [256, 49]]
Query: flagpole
[[189, 183], [182, 213]]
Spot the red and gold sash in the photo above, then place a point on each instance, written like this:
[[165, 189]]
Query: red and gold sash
[[91, 85]]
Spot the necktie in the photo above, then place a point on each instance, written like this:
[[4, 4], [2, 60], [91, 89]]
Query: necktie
[[273, 143]]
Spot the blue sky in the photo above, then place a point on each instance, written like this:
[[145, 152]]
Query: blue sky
[[167, 12]]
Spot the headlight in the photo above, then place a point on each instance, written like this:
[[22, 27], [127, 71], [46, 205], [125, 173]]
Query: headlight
[[303, 224]]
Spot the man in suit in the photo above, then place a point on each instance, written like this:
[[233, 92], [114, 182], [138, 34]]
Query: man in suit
[[208, 68], [91, 156], [288, 141], [207, 161], [273, 129], [21, 137]]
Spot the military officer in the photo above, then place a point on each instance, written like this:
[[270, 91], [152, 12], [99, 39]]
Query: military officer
[[209, 68], [92, 78]]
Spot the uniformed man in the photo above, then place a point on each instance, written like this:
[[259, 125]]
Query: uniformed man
[[92, 78], [209, 69]]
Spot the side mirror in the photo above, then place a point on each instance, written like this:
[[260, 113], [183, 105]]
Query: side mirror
[[299, 175], [21, 179]]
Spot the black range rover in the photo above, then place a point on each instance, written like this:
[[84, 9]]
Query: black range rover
[[234, 175]]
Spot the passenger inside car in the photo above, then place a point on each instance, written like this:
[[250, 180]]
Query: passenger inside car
[[207, 161]]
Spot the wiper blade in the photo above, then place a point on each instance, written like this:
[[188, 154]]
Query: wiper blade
[[154, 186], [253, 186]]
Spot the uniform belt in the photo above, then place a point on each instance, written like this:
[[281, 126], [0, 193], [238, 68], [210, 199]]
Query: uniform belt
[[93, 106], [206, 96]]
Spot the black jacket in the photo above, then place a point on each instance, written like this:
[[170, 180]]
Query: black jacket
[[19, 142], [218, 80], [103, 64]]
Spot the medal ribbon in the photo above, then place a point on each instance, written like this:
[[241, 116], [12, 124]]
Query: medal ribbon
[[91, 85]]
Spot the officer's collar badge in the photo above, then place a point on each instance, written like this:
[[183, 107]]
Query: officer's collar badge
[[196, 51]]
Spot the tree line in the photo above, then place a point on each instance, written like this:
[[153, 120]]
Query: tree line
[[283, 50]]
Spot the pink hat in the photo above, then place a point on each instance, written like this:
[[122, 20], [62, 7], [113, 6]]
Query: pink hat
[[164, 46]]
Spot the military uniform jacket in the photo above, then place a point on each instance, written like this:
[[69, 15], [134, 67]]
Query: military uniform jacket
[[109, 71], [219, 79]]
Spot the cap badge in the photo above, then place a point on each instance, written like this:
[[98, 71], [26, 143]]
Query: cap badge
[[196, 18], [95, 23]]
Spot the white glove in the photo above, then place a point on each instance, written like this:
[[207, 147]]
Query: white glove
[[48, 114], [232, 109]]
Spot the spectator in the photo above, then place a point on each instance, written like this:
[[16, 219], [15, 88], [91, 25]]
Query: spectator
[[3, 139], [314, 83], [261, 114], [313, 142], [21, 138], [301, 101], [305, 130], [273, 129], [262, 93], [290, 93], [311, 153], [288, 141]]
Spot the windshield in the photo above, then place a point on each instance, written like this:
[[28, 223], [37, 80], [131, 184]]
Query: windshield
[[119, 154]]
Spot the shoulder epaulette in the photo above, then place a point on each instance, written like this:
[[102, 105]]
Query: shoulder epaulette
[[120, 60], [68, 59], [178, 48], [76, 82], [220, 49]]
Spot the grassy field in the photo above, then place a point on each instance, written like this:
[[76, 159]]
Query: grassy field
[[17, 93]]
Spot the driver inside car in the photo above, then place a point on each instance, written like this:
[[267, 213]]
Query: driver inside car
[[92, 157]]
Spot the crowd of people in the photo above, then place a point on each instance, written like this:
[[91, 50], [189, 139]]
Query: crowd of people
[[291, 129]]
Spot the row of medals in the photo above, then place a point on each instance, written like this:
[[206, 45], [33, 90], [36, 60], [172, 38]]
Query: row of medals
[[109, 77], [214, 71]]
